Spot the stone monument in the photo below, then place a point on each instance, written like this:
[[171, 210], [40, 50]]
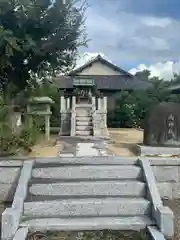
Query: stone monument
[[162, 130]]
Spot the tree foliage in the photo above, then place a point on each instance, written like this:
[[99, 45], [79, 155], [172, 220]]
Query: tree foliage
[[132, 106], [38, 36]]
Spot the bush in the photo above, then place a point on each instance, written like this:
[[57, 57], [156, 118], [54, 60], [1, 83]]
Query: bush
[[124, 114], [11, 142], [28, 136], [8, 144]]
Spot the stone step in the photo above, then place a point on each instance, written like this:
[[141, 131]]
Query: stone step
[[83, 119], [83, 105], [83, 133], [90, 188], [83, 123], [83, 128], [83, 112], [80, 224], [88, 172], [87, 160], [91, 207]]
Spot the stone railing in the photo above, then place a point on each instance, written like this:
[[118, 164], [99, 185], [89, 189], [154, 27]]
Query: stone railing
[[162, 215], [11, 216]]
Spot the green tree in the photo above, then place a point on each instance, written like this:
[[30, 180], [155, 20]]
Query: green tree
[[132, 106], [38, 37]]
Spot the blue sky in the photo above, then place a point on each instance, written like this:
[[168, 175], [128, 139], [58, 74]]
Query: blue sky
[[134, 32]]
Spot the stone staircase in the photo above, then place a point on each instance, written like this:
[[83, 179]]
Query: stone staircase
[[86, 197], [84, 120], [87, 193]]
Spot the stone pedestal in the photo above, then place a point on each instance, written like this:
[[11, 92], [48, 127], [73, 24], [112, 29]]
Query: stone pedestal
[[65, 123], [65, 113], [73, 117], [100, 119]]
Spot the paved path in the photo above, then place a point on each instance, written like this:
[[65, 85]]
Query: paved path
[[74, 146]]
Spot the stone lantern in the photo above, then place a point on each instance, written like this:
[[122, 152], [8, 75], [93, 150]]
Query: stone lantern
[[41, 106]]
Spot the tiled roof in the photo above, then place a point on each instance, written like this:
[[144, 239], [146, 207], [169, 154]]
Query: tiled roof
[[110, 82], [174, 89]]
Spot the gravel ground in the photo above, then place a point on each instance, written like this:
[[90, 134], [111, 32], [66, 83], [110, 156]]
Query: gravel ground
[[88, 235], [124, 141], [175, 207]]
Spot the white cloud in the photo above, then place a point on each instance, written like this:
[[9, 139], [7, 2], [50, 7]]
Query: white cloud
[[155, 21], [126, 36], [163, 70]]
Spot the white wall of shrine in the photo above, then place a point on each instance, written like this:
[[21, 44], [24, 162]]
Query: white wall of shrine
[[98, 68]]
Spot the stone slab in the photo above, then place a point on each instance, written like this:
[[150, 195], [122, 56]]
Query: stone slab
[[66, 155], [83, 133], [7, 191], [21, 234], [92, 152], [86, 149], [83, 119], [83, 114], [21, 190], [91, 160], [11, 216], [9, 175], [165, 221], [160, 161], [11, 163], [89, 188], [166, 173], [80, 224], [9, 224], [91, 207], [85, 145], [155, 233], [83, 128], [83, 123], [89, 172], [151, 184], [165, 190], [160, 151], [176, 190]]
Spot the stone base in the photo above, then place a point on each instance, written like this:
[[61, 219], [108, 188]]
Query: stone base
[[158, 151]]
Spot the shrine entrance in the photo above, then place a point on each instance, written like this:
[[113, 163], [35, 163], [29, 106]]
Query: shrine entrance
[[84, 89]]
